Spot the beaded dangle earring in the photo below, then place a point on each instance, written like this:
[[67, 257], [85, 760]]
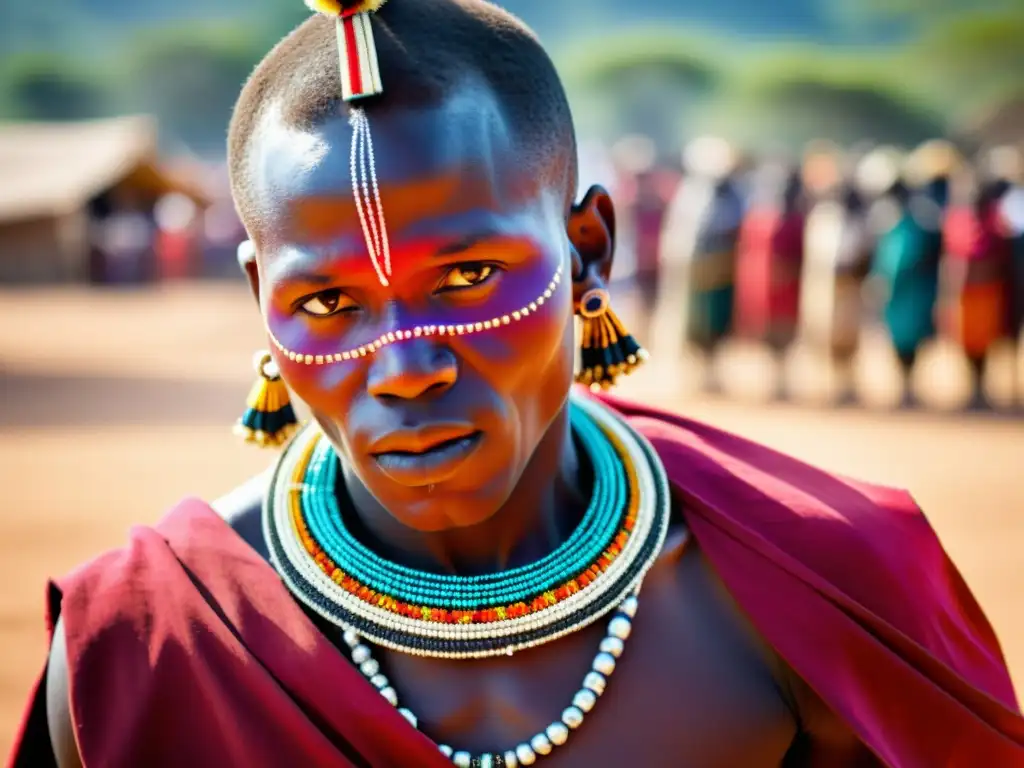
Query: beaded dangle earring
[[269, 420], [607, 349]]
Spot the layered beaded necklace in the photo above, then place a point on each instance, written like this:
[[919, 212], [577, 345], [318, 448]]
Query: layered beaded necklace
[[597, 570]]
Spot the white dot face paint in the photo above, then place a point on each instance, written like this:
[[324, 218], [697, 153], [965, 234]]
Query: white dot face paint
[[420, 331]]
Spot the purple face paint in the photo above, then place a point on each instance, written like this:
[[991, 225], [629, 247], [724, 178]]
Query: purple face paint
[[319, 352]]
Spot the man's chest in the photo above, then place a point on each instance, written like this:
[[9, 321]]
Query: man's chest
[[692, 689], [688, 690]]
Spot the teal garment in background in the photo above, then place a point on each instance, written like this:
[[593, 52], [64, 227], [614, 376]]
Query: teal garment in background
[[710, 317], [906, 261]]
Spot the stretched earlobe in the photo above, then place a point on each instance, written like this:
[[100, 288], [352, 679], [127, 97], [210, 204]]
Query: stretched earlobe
[[591, 231]]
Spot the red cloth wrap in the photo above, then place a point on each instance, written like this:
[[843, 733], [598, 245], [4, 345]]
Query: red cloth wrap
[[186, 649]]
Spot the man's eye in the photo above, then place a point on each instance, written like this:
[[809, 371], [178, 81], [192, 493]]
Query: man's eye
[[466, 276], [326, 303]]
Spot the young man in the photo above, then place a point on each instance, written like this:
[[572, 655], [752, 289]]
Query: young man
[[456, 543]]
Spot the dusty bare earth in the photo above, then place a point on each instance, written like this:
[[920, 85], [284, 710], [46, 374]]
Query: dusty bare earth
[[114, 405]]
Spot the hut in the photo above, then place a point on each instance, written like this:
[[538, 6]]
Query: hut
[[58, 179]]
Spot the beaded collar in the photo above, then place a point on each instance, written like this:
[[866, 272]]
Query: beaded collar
[[447, 616]]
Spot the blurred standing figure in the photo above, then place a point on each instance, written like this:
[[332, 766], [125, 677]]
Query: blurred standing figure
[[631, 155], [837, 251], [905, 270], [698, 245], [222, 231], [644, 185], [974, 308], [1011, 211], [655, 187], [770, 258], [125, 239], [1013, 214], [178, 222]]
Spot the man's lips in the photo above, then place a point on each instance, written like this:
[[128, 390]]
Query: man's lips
[[422, 440], [428, 460]]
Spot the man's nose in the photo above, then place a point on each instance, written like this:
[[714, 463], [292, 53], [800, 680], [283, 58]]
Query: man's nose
[[411, 369]]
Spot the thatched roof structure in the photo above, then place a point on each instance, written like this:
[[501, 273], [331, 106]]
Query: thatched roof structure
[[51, 169]]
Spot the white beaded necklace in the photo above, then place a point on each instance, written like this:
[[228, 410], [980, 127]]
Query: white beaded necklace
[[653, 486], [556, 734]]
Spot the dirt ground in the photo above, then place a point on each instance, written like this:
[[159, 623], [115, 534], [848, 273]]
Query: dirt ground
[[115, 405]]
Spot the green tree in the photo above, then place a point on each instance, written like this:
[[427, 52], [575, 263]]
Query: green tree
[[190, 82], [42, 86], [807, 94], [973, 58], [280, 20], [641, 82]]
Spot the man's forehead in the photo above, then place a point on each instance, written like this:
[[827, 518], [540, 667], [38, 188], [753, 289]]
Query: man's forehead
[[461, 148]]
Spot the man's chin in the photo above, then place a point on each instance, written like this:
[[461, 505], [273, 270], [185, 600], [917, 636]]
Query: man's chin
[[432, 509]]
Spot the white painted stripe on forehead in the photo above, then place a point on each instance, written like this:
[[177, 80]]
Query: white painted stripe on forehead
[[458, 329]]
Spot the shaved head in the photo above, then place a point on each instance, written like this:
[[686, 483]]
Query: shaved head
[[428, 51]]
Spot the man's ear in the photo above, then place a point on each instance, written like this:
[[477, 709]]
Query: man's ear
[[591, 231], [247, 261]]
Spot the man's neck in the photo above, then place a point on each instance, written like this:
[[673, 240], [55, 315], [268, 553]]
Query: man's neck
[[546, 506]]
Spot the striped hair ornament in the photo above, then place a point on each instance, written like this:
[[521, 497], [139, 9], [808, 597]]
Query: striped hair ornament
[[360, 78], [360, 74]]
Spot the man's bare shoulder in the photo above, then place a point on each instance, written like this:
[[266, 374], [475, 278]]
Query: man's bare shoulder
[[744, 652], [242, 508], [705, 595]]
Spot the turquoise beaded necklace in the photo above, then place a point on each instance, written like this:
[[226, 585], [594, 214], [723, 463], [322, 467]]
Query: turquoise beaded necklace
[[423, 613], [598, 527]]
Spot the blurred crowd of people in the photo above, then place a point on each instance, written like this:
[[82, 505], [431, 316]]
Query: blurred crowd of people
[[808, 257]]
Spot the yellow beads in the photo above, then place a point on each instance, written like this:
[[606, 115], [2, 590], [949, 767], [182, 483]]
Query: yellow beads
[[335, 7]]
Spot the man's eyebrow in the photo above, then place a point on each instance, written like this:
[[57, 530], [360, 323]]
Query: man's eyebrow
[[304, 276], [467, 243], [300, 269]]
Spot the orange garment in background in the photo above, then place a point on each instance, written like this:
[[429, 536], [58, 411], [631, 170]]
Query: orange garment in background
[[973, 311]]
